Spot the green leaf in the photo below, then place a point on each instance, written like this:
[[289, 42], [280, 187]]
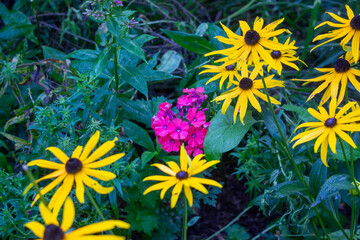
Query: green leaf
[[53, 53], [223, 135], [84, 54], [193, 220], [101, 61], [19, 142], [237, 232], [333, 185], [170, 61], [132, 47], [146, 157], [215, 31], [15, 30], [285, 189], [135, 78], [190, 42], [270, 124], [153, 75], [318, 175], [301, 111], [113, 26], [138, 135], [113, 203]]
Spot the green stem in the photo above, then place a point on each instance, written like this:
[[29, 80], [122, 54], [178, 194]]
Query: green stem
[[185, 220], [291, 158], [38, 28], [230, 223], [261, 151], [36, 185], [93, 202], [116, 68]]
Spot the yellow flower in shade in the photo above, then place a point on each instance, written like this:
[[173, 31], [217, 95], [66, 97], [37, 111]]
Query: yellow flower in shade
[[333, 77], [76, 169], [249, 49], [348, 29], [245, 90], [224, 72], [331, 124], [182, 176], [54, 231], [286, 57], [355, 191]]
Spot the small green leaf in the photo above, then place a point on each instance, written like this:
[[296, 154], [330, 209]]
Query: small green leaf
[[223, 135], [170, 61], [138, 135], [191, 42], [132, 47]]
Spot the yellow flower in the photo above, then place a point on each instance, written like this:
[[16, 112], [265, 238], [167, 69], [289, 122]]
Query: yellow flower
[[182, 176], [333, 77], [249, 49], [76, 169], [286, 57], [331, 125], [224, 72], [355, 191], [348, 29], [245, 90], [54, 231]]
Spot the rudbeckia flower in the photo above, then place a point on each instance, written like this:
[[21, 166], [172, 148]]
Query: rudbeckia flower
[[249, 49], [182, 176], [224, 72], [348, 29], [330, 125], [79, 168], [333, 77], [286, 57], [245, 90], [54, 231]]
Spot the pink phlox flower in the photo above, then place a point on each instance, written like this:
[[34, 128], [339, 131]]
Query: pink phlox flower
[[184, 101], [165, 110], [162, 126], [200, 90], [194, 150], [165, 106], [196, 118], [179, 129], [196, 136], [191, 90], [206, 125], [169, 144]]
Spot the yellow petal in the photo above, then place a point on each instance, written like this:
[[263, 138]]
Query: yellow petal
[[164, 168], [345, 137], [37, 228], [46, 164], [95, 185], [47, 216], [189, 195], [324, 148], [66, 189], [321, 138], [99, 174], [68, 215], [105, 161], [205, 181], [79, 187], [175, 193], [98, 228], [58, 153], [173, 165], [101, 151], [204, 167], [90, 145], [158, 178], [170, 184], [158, 186], [332, 140], [198, 186], [77, 152], [51, 175], [99, 237], [183, 159]]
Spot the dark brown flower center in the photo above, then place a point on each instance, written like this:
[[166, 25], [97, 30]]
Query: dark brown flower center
[[341, 65], [53, 232], [355, 22], [73, 165], [251, 37], [230, 67], [330, 122], [245, 83], [182, 175], [276, 54]]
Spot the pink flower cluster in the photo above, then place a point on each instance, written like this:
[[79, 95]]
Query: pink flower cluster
[[189, 126]]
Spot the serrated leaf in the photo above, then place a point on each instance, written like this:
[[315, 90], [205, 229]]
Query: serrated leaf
[[332, 185], [138, 135], [223, 135], [170, 61], [132, 47], [190, 42]]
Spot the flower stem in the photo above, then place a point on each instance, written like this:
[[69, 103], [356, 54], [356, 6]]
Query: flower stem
[[185, 220], [25, 168], [291, 158], [93, 202], [38, 28], [116, 67]]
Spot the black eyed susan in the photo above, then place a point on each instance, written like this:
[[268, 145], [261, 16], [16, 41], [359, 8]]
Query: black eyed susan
[[348, 29], [223, 72], [286, 56], [249, 49], [333, 77], [54, 231], [182, 176], [79, 168], [331, 124], [247, 87]]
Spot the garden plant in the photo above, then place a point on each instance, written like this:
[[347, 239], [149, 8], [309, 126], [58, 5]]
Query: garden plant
[[179, 119]]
